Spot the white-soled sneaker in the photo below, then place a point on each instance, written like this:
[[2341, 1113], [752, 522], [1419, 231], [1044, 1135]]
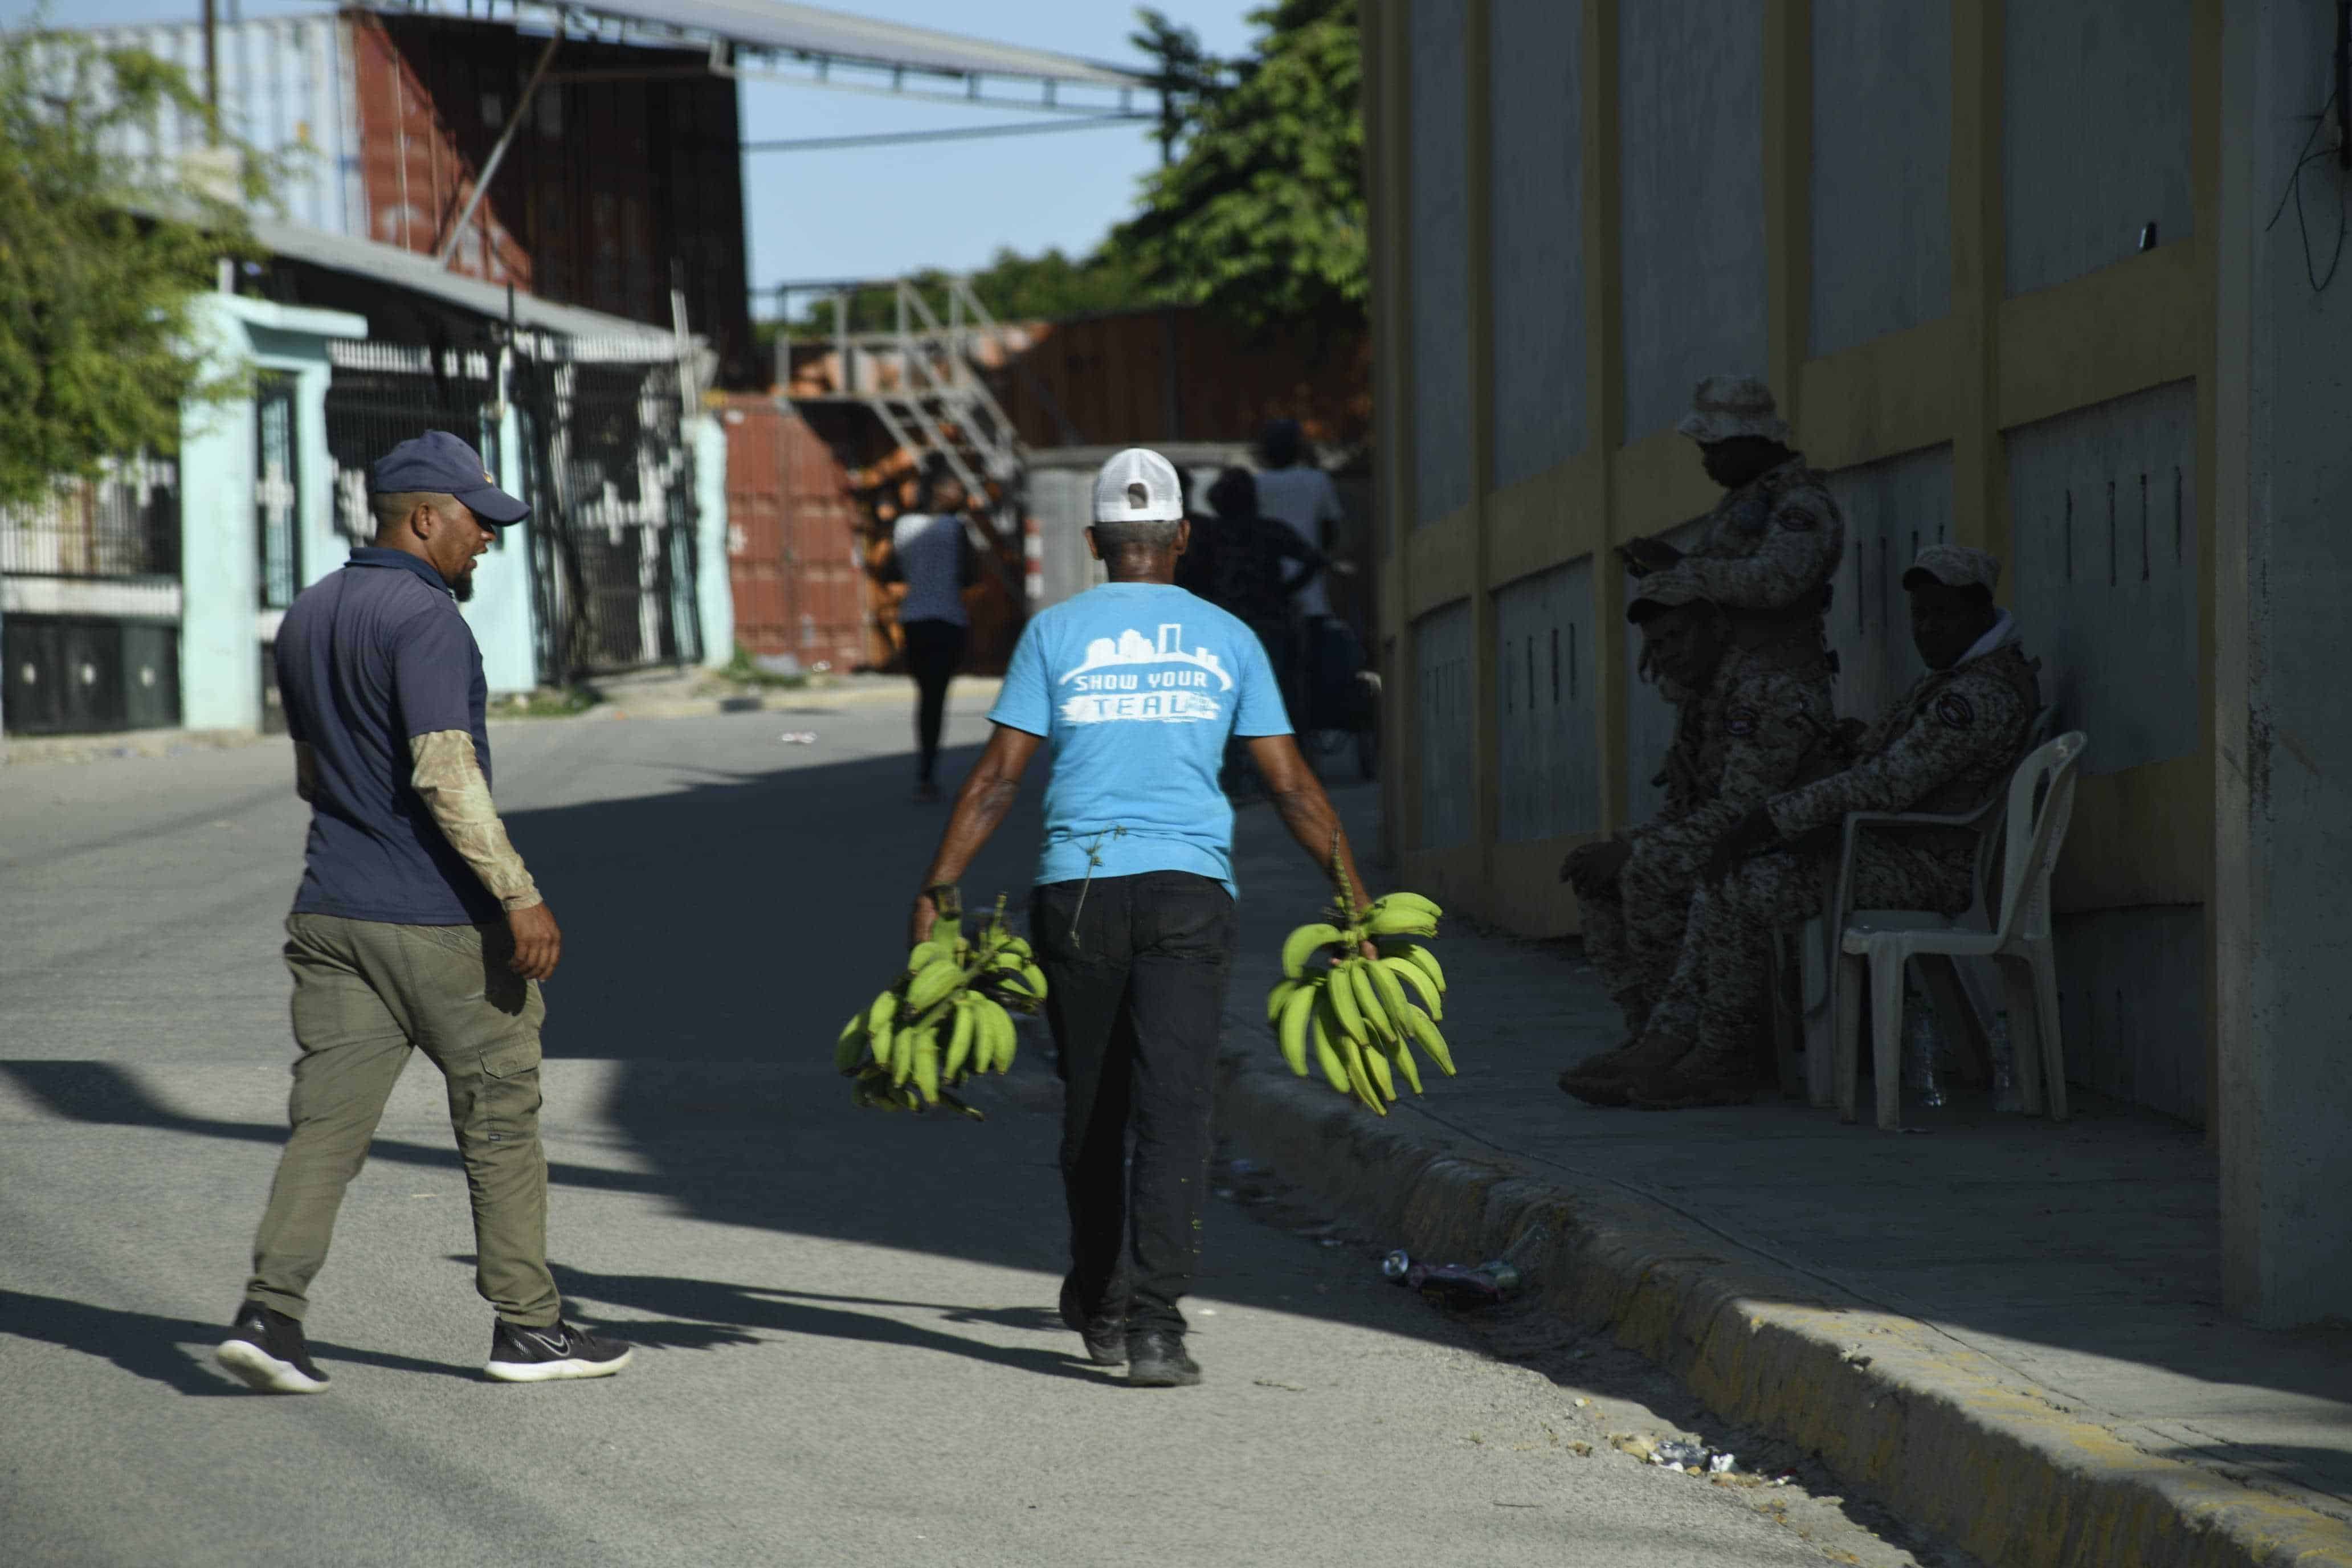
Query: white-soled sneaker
[[266, 1348], [550, 1355]]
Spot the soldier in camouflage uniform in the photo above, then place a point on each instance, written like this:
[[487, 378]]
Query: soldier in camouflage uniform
[[1747, 728], [1951, 742], [1766, 551]]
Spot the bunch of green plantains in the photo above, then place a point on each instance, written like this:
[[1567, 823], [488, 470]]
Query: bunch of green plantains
[[1361, 1016], [949, 1016]]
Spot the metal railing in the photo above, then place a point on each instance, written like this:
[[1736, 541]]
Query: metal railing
[[123, 525]]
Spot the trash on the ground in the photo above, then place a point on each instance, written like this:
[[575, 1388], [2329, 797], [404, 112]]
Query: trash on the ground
[[1244, 1167], [798, 737], [1581, 1402], [1330, 1241], [1689, 1454], [1455, 1285], [1227, 1193], [1722, 1463]]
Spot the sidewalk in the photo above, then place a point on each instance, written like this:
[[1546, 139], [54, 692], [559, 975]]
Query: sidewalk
[[695, 693], [2010, 1330]]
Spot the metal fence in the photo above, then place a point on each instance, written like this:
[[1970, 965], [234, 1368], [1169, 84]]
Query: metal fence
[[383, 394], [123, 525]]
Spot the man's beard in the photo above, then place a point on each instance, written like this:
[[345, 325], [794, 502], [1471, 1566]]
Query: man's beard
[[462, 589]]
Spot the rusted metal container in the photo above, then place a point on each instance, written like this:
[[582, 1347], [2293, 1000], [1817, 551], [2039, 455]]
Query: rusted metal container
[[625, 175], [794, 549]]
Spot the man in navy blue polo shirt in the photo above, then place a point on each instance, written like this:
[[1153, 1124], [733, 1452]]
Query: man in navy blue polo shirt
[[416, 925]]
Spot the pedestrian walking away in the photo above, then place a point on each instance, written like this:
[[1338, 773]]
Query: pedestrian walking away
[[416, 926], [930, 553], [1134, 687]]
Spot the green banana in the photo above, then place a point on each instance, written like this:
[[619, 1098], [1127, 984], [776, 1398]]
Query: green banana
[[1018, 944], [1402, 1056], [1343, 1007], [1297, 1013], [959, 1038], [926, 1071], [997, 1030], [1431, 1042], [1418, 956], [1400, 920], [1357, 973], [1409, 901], [903, 1051], [1035, 979], [1353, 1055], [1282, 992], [923, 956], [1392, 994], [934, 984], [850, 1048], [1327, 1055], [1303, 944], [1403, 972]]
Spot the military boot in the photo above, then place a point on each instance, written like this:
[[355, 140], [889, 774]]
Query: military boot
[[1710, 1074], [1602, 1080]]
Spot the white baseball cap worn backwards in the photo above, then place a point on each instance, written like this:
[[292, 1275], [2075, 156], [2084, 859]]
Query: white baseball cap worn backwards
[[1138, 484]]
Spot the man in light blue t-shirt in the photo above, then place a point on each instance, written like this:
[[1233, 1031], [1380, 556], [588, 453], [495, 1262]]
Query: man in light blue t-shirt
[[1136, 686]]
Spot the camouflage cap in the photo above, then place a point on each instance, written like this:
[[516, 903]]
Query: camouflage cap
[[1723, 406], [1664, 590], [1955, 566]]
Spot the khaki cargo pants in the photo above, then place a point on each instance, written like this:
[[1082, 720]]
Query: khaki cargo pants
[[366, 992]]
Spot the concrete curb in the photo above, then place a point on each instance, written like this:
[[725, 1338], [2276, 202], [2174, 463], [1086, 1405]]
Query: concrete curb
[[1942, 1433], [804, 699]]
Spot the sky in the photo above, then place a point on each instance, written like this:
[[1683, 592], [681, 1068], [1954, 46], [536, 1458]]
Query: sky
[[880, 212]]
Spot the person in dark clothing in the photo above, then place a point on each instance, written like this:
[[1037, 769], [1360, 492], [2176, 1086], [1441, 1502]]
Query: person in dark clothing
[[1245, 572], [931, 554]]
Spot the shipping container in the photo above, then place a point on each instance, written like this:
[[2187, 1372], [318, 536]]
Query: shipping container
[[794, 549]]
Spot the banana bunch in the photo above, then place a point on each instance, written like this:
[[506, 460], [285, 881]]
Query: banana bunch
[[949, 1016], [1361, 1017]]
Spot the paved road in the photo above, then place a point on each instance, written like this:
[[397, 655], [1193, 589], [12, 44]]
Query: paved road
[[851, 1355]]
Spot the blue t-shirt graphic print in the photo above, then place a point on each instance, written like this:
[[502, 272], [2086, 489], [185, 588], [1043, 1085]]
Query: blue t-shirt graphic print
[[1136, 688]]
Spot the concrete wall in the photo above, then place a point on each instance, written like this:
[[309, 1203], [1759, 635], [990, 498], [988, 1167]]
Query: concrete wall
[[2283, 710], [2095, 133], [1882, 151], [2103, 529], [501, 613], [2131, 1001], [1443, 690], [1893, 509], [1441, 294], [1691, 194], [1546, 705], [1534, 102], [222, 626]]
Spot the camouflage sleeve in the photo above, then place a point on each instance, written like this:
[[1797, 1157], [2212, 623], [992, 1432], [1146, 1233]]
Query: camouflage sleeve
[[1953, 731], [1772, 724], [1803, 539], [450, 782]]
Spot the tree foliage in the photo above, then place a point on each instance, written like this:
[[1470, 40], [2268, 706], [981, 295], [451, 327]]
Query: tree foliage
[[1261, 217], [101, 258]]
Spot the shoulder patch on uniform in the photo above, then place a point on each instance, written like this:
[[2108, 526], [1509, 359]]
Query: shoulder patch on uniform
[[1740, 720], [1955, 709]]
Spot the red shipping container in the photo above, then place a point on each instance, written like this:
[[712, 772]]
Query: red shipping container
[[792, 544]]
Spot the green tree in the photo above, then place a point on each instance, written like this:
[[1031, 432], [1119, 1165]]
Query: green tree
[[1261, 217], [102, 257]]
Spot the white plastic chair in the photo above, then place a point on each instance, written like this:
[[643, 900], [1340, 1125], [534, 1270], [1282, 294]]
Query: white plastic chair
[[1881, 943], [1814, 942]]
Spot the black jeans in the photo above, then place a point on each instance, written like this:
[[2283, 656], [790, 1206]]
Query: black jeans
[[934, 648], [1135, 996]]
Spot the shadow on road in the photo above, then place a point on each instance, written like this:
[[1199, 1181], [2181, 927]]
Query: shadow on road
[[164, 1349]]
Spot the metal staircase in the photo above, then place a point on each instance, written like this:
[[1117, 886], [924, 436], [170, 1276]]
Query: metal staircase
[[924, 381]]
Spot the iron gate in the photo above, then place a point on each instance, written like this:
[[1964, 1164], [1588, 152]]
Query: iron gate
[[90, 579], [611, 480]]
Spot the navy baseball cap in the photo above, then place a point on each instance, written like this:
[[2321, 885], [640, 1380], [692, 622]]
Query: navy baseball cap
[[440, 464]]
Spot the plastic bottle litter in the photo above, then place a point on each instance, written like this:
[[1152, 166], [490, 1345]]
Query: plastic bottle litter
[[2005, 1096], [1922, 1046], [1677, 1454], [1459, 1287], [798, 738]]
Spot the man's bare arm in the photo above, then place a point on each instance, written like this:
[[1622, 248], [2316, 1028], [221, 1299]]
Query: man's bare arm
[[1305, 809], [988, 793], [448, 778]]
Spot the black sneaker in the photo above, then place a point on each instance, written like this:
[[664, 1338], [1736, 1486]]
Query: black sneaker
[[547, 1356], [1156, 1359], [264, 1347], [1105, 1336]]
